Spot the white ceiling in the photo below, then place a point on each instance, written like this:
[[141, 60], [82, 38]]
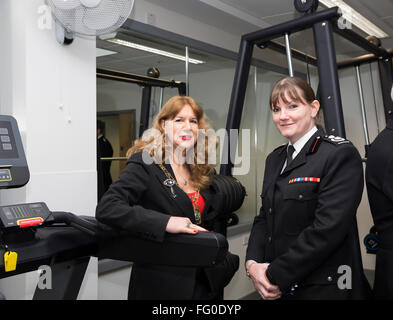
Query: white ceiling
[[138, 62], [257, 14], [240, 17]]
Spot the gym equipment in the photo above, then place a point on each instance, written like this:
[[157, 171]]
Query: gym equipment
[[320, 22], [23, 236], [14, 172], [374, 40], [32, 236], [147, 82], [371, 241], [153, 72], [233, 190], [289, 54], [306, 6], [323, 23], [234, 193], [22, 216], [363, 109], [385, 67], [201, 250], [374, 99]]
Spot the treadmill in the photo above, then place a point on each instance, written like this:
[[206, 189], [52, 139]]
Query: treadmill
[[32, 236]]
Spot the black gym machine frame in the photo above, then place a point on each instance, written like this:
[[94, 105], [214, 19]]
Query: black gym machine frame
[[147, 83], [323, 23]]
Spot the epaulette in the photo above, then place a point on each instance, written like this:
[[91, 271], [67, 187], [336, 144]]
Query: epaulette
[[335, 140], [281, 148]]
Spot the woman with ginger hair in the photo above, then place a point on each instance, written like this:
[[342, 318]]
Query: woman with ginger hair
[[166, 188]]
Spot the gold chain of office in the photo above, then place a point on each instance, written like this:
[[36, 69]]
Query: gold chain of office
[[194, 198]]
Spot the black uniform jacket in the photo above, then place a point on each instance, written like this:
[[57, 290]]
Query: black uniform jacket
[[140, 203], [379, 179], [104, 150], [307, 228]]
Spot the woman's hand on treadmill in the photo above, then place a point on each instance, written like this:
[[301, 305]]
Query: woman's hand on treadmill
[[182, 225]]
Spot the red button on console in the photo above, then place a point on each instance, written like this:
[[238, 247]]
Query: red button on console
[[30, 222]]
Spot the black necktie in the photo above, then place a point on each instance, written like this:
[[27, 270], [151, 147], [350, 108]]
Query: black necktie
[[290, 151]]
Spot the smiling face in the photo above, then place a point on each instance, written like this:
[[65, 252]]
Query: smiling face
[[294, 108], [182, 130], [294, 118]]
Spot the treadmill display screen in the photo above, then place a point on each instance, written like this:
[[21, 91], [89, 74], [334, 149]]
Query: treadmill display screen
[[7, 142]]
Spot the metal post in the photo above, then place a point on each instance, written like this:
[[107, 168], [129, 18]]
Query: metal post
[[236, 103], [145, 110], [161, 97], [375, 101], [386, 76], [330, 95], [182, 88], [362, 106], [187, 73], [256, 137], [289, 54], [308, 73]]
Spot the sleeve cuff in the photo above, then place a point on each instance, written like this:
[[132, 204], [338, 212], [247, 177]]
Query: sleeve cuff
[[269, 276]]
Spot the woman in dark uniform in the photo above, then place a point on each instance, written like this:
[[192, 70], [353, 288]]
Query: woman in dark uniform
[[167, 188], [304, 243]]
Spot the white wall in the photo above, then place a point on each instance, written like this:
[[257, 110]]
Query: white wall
[[185, 25], [51, 90]]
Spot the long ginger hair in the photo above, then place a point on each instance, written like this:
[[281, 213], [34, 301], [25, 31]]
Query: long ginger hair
[[153, 140]]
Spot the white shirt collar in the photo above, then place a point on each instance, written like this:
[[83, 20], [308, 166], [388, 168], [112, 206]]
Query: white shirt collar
[[298, 145]]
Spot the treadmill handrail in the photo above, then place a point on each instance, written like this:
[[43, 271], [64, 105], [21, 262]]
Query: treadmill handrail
[[74, 221], [130, 247]]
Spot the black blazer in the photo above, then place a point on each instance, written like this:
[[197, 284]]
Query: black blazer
[[307, 228], [141, 204], [104, 178], [379, 180]]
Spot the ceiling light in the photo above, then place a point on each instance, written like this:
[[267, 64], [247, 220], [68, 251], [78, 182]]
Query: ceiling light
[[102, 52], [355, 18], [153, 50]]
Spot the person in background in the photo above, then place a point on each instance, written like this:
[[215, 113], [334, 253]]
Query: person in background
[[379, 181], [104, 150], [164, 189], [304, 242]]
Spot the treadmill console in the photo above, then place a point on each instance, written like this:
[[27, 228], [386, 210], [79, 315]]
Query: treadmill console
[[14, 172], [24, 215]]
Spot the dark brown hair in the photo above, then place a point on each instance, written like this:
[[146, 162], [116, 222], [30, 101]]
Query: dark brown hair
[[293, 88]]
